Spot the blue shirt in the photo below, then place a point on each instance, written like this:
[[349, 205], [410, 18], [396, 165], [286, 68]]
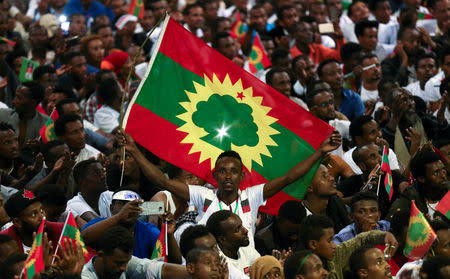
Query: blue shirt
[[145, 236], [95, 9], [351, 104], [349, 232]]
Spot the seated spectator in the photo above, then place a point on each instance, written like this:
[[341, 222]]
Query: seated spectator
[[305, 264], [77, 25], [46, 77], [369, 262], [75, 78], [366, 32], [280, 80], [282, 233], [365, 213], [370, 78], [107, 117], [426, 68], [115, 260], [25, 210], [203, 263], [442, 243], [436, 268], [54, 202], [94, 199], [57, 94], [233, 240], [304, 72], [266, 267], [9, 152]]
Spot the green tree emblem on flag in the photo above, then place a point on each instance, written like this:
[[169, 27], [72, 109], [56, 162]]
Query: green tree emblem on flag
[[417, 235], [222, 115]]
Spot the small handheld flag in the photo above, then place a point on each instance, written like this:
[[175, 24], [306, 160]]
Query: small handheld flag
[[137, 8], [12, 43], [258, 59], [71, 232], [386, 168], [47, 131], [160, 250], [444, 205], [35, 261], [239, 29], [420, 235], [27, 69], [422, 16]]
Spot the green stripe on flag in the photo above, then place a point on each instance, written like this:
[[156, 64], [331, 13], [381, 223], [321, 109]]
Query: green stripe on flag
[[70, 231], [31, 271]]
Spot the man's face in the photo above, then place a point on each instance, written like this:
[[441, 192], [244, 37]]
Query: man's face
[[228, 174], [9, 145], [383, 11], [371, 132], [74, 136], [269, 47], [325, 246], [324, 106], [227, 47], [304, 33], [107, 37], [373, 74], [258, 19], [446, 66], [207, 241], [119, 7], [78, 26], [148, 20], [79, 68], [371, 157], [7, 249], [319, 12], [115, 264], [283, 63], [210, 11], [290, 18], [30, 218], [426, 68], [377, 267], [159, 8], [48, 80], [282, 83], [190, 179], [413, 3], [366, 215], [441, 13], [38, 37], [323, 184], [71, 108], [360, 12], [23, 101], [443, 244], [411, 41], [235, 233], [314, 268], [55, 153], [436, 175], [335, 5], [288, 231], [332, 74], [117, 205], [53, 99], [195, 18], [206, 267], [369, 39], [224, 26], [96, 177]]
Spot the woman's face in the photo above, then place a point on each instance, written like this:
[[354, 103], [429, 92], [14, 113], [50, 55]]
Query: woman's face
[[96, 51]]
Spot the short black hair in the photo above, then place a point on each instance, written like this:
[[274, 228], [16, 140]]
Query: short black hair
[[195, 254], [445, 51], [402, 30], [81, 168], [362, 196], [188, 8], [188, 237], [367, 56], [356, 126], [292, 263], [217, 37], [63, 102], [69, 56], [64, 90], [311, 92], [42, 70], [312, 229], [37, 92], [116, 237], [425, 56], [52, 194], [46, 147], [60, 123], [361, 26], [324, 63], [108, 89], [213, 223], [373, 5], [229, 153], [95, 28], [271, 74], [445, 86], [292, 211], [439, 143], [173, 171], [5, 126], [8, 265], [5, 238], [279, 53], [101, 73], [420, 160], [350, 7], [280, 11], [357, 259], [438, 225], [349, 49], [400, 222], [295, 60], [432, 267]]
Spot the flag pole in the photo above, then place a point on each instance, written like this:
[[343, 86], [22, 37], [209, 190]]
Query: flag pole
[[59, 240], [126, 88], [378, 187]]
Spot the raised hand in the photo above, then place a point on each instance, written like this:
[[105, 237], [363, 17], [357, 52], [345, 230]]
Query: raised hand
[[331, 143]]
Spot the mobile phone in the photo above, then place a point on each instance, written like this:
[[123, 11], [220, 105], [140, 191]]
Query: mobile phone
[[152, 208], [325, 28]]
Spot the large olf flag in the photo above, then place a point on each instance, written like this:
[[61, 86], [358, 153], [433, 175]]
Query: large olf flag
[[47, 131], [160, 250], [35, 261], [258, 59], [444, 205], [137, 8], [71, 232], [420, 235], [194, 103], [388, 185], [239, 29]]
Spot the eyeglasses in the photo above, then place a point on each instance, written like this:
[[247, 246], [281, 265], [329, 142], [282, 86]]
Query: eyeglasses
[[325, 104]]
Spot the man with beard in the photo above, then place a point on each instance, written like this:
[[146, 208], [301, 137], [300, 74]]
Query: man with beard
[[25, 210], [371, 76], [405, 122], [76, 77], [429, 188], [233, 240], [115, 260], [369, 263], [125, 212]]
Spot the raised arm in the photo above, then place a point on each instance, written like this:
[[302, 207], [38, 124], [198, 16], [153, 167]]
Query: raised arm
[[299, 170], [152, 172]]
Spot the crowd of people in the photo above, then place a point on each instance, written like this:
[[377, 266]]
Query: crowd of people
[[377, 71]]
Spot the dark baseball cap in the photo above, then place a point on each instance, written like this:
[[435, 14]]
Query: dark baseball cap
[[19, 201]]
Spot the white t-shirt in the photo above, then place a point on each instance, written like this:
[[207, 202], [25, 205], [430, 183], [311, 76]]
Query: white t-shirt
[[368, 95], [432, 93], [198, 194], [106, 118], [86, 153], [246, 257], [393, 162], [79, 206]]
